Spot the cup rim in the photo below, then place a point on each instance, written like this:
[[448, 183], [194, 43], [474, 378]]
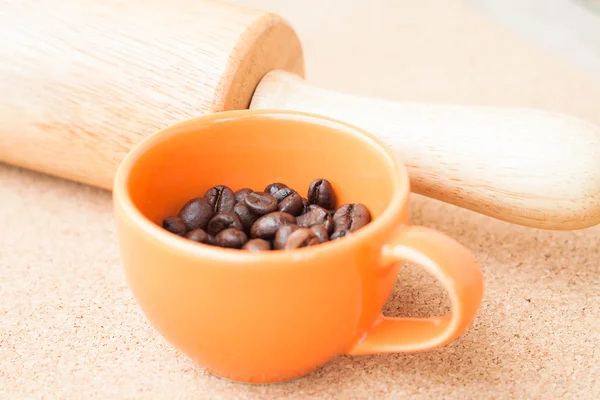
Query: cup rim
[[121, 195]]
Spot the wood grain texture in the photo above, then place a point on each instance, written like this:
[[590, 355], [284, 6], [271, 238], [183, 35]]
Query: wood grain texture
[[524, 166], [83, 81]]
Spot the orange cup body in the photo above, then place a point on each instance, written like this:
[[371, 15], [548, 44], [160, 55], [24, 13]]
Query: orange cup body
[[276, 316]]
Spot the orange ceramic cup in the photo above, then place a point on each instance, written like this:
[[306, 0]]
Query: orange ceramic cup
[[279, 315]]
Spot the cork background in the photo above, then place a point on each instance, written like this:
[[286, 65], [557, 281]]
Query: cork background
[[70, 328]]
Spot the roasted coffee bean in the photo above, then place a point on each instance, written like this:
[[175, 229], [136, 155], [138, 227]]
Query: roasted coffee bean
[[305, 205], [241, 194], [321, 193], [223, 221], [221, 198], [291, 205], [339, 234], [257, 245], [261, 203], [198, 235], [174, 225], [282, 235], [316, 215], [245, 215], [283, 193], [321, 232], [231, 238], [301, 237], [289, 201], [196, 213], [266, 226], [274, 187], [351, 217], [316, 207], [278, 218]]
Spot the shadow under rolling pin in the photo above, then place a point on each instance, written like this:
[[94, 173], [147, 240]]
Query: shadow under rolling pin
[[81, 82]]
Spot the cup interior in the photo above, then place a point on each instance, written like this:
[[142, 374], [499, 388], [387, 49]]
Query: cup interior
[[254, 149]]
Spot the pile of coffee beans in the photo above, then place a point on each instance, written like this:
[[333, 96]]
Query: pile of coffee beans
[[278, 218]]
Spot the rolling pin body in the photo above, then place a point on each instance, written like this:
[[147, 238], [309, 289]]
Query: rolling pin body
[[81, 82]]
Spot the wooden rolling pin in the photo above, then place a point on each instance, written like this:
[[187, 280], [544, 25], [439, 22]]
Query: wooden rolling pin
[[82, 81]]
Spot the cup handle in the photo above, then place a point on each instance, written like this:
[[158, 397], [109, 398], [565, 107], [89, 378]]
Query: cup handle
[[458, 271]]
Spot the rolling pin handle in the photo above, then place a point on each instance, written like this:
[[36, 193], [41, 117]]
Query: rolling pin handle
[[524, 166]]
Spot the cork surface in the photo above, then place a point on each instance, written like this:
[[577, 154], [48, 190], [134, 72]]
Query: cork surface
[[70, 328]]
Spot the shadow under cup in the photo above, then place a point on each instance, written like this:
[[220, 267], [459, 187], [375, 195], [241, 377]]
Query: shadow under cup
[[258, 317]]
